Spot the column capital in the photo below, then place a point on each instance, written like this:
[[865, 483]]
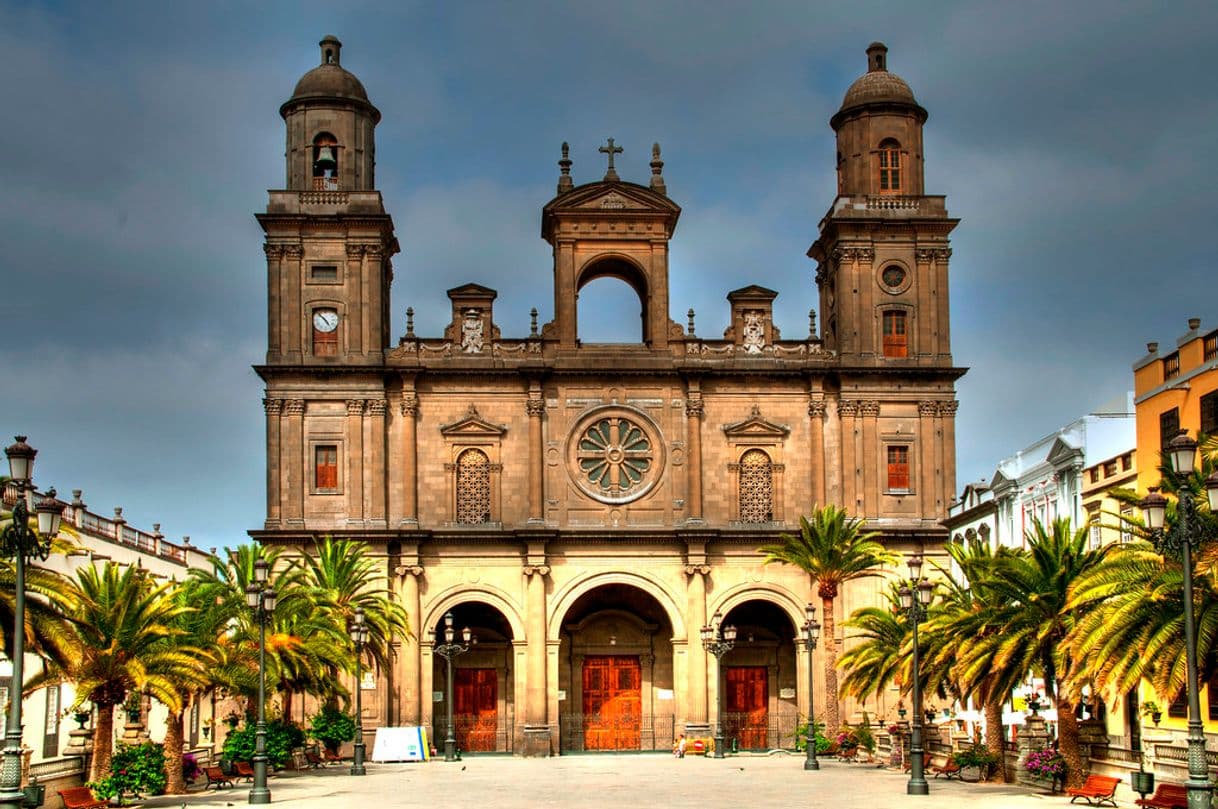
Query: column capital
[[355, 250], [294, 407], [408, 570], [376, 407], [848, 407], [272, 406], [273, 250], [293, 251], [409, 404], [374, 251], [928, 408], [697, 570], [816, 407], [535, 408], [869, 408], [694, 408], [355, 407], [539, 570], [948, 408]]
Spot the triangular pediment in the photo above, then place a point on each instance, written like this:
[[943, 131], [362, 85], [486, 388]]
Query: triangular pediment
[[472, 425], [472, 290], [611, 196], [756, 427], [1063, 453], [752, 292]]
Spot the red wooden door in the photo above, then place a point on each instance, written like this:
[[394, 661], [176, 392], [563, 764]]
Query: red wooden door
[[475, 708], [613, 702], [746, 708]]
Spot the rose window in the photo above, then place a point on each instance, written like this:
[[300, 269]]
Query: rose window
[[614, 457]]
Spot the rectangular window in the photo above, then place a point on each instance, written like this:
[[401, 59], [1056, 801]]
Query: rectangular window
[[1110, 468], [1210, 346], [1211, 694], [1209, 413], [1169, 427], [1171, 365], [323, 273], [890, 171], [1126, 462], [898, 468], [1178, 709], [1094, 473], [1095, 535], [325, 468], [895, 341], [1126, 516]]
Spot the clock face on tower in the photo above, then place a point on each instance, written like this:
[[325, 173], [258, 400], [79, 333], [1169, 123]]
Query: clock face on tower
[[325, 320]]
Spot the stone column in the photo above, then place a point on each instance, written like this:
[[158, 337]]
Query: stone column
[[355, 462], [370, 302], [925, 324], [943, 342], [294, 465], [697, 721], [816, 430], [273, 408], [410, 499], [927, 493], [1032, 736], [536, 728], [536, 407], [291, 269], [412, 685], [848, 410], [870, 410], [947, 486], [274, 321], [374, 468], [693, 474], [355, 314]]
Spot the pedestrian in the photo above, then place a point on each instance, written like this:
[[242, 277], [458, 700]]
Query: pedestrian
[[679, 749]]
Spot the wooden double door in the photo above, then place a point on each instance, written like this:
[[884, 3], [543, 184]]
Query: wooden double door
[[613, 702], [746, 706], [476, 709]]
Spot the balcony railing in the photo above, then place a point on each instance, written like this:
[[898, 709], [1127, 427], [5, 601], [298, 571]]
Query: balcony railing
[[893, 202]]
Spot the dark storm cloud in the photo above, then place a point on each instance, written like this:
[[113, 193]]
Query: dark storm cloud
[[1072, 140]]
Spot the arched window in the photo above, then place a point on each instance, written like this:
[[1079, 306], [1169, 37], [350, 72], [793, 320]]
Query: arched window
[[756, 487], [896, 341], [890, 167], [473, 487], [325, 162]]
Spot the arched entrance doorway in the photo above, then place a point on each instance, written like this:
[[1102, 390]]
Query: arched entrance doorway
[[483, 695], [615, 674], [759, 679]]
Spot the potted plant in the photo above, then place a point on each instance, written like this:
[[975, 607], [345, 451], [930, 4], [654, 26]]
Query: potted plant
[[975, 762], [207, 723], [1046, 763], [1151, 708]]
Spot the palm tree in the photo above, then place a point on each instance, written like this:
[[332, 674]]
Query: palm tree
[[881, 656], [1030, 621], [122, 621], [832, 549]]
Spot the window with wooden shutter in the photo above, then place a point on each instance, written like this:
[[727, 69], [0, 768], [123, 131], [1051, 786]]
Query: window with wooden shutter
[[325, 468], [898, 468], [895, 340], [890, 167]]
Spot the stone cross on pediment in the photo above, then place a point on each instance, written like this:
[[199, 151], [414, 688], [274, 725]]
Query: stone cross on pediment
[[611, 150]]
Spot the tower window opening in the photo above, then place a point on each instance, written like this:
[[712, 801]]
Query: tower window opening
[[890, 167], [325, 162], [896, 340], [329, 56]]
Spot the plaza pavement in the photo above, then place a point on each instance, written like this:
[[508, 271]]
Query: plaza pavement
[[655, 781]]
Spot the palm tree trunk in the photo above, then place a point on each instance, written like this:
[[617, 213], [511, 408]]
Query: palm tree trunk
[[103, 743], [1067, 741], [993, 737], [176, 784], [833, 709], [287, 706]]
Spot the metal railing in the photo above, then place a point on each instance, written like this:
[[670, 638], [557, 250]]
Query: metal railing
[[57, 768], [578, 733], [1104, 752], [475, 735]]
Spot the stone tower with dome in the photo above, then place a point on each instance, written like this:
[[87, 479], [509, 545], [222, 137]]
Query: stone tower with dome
[[587, 508]]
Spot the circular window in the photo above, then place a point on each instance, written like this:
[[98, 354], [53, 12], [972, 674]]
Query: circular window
[[615, 455], [894, 278]]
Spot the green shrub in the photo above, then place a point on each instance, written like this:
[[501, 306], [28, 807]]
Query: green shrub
[[801, 738], [332, 727], [281, 739], [863, 733], [135, 769], [978, 756]]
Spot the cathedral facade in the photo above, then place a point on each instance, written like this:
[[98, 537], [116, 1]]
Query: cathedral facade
[[586, 509]]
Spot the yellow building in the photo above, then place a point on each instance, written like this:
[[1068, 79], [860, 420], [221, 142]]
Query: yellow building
[[1174, 391]]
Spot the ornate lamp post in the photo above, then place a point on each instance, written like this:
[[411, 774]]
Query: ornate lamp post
[[916, 609], [359, 635], [1188, 533], [21, 544], [810, 636], [718, 640], [448, 650], [261, 599]]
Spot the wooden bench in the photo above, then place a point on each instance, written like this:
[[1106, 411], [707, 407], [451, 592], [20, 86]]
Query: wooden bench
[[847, 754], [81, 798], [1096, 790], [244, 770], [1166, 796], [312, 760], [216, 778], [333, 758], [949, 769]]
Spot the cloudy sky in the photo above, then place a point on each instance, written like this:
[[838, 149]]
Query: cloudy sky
[[1076, 141]]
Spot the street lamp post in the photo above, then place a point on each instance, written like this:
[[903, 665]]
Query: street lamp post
[[21, 544], [916, 609], [811, 635], [260, 598], [1186, 535], [359, 636], [718, 640], [448, 650]]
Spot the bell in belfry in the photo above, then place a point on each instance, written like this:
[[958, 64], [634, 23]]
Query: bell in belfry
[[325, 158]]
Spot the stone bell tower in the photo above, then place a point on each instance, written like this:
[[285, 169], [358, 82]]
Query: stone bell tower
[[328, 238], [883, 250]]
